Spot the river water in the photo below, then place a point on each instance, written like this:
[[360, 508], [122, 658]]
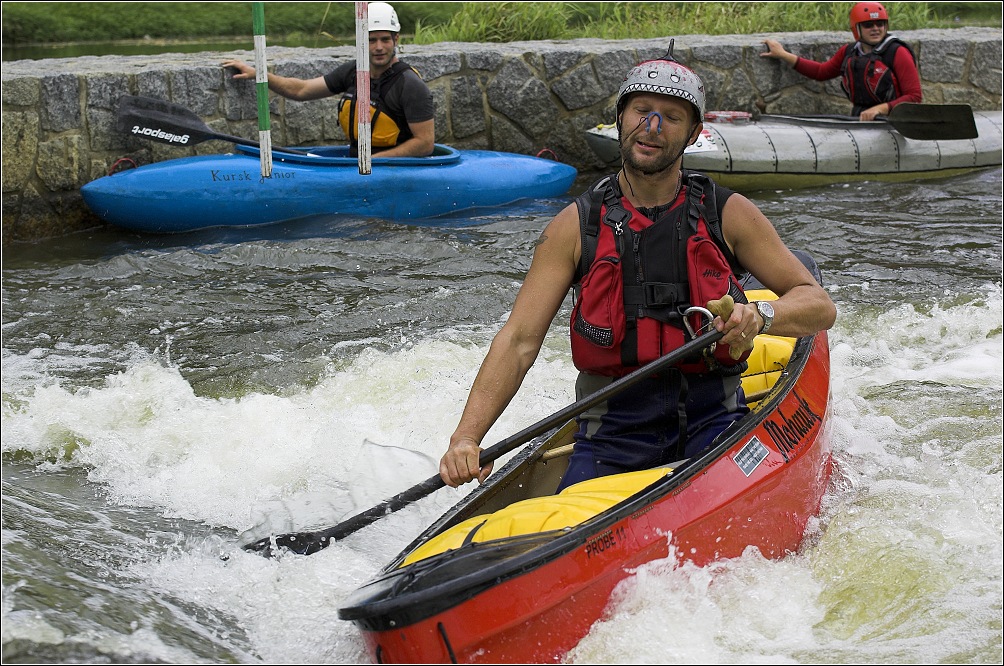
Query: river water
[[165, 395]]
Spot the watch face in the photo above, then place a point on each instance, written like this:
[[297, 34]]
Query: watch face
[[767, 312]]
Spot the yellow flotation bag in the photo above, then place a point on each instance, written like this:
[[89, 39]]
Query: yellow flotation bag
[[573, 505], [769, 356]]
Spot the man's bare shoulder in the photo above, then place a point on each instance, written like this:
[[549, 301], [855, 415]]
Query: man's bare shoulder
[[565, 223]]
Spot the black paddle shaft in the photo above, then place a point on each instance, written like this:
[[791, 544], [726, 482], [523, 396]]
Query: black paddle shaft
[[306, 543]]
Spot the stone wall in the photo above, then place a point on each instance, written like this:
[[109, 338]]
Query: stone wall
[[523, 97]]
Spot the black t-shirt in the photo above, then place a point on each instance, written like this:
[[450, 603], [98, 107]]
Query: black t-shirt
[[399, 92]]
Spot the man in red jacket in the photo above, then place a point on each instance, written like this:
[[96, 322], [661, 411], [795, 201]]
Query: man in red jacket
[[879, 70]]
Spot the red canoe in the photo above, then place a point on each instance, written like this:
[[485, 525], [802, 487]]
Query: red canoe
[[516, 574]]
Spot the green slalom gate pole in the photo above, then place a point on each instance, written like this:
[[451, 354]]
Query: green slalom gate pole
[[261, 89]]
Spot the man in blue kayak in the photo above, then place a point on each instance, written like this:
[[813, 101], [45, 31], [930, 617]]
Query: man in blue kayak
[[640, 248], [402, 108]]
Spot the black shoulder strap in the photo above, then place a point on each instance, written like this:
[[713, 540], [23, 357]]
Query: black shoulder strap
[[396, 69], [886, 51], [588, 204], [387, 78], [409, 66], [890, 47], [697, 185], [848, 54]]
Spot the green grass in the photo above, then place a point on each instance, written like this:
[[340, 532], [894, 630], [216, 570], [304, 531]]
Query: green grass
[[514, 21], [429, 22]]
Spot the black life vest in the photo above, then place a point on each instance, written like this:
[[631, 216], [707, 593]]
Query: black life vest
[[636, 277], [869, 78]]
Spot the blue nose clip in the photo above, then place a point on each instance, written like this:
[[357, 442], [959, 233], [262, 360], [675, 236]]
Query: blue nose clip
[[648, 120]]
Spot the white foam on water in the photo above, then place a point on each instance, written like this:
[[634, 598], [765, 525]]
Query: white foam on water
[[266, 463]]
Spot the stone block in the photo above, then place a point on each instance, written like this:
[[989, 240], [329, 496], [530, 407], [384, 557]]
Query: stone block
[[153, 84], [483, 59], [578, 88], [467, 110], [434, 66], [738, 93], [985, 68], [304, 122], [611, 68], [521, 98], [557, 63], [717, 56], [20, 147], [507, 137], [60, 102], [25, 91], [944, 61], [198, 89], [62, 163]]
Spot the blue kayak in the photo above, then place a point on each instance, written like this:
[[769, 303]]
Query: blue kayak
[[228, 190]]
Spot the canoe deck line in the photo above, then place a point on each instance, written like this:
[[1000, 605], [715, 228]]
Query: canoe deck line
[[781, 151], [228, 190], [516, 574]]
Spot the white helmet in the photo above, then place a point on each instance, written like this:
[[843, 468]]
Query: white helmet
[[382, 17], [664, 76]]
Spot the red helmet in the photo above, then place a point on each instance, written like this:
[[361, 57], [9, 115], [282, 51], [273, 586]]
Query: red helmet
[[866, 11]]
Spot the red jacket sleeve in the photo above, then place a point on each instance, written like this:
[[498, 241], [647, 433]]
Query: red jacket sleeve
[[823, 71], [907, 79]]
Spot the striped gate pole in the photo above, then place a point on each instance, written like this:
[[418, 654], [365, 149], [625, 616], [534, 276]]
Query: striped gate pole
[[261, 89], [363, 87]]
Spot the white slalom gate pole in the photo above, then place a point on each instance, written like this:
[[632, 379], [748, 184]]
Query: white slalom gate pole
[[261, 89], [363, 87]]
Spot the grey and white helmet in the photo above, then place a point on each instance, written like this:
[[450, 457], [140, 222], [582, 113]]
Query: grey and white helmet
[[664, 76]]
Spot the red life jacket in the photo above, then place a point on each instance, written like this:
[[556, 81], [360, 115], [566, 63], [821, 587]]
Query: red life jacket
[[868, 78], [636, 277]]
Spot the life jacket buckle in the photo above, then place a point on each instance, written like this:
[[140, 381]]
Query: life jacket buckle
[[616, 218], [661, 294]]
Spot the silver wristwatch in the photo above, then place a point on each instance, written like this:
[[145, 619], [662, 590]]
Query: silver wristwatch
[[766, 311]]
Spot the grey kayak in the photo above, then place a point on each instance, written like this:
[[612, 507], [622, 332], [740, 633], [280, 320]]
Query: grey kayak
[[777, 151]]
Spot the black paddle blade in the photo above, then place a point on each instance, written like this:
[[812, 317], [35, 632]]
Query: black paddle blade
[[302, 543], [307, 543], [934, 122], [166, 122]]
